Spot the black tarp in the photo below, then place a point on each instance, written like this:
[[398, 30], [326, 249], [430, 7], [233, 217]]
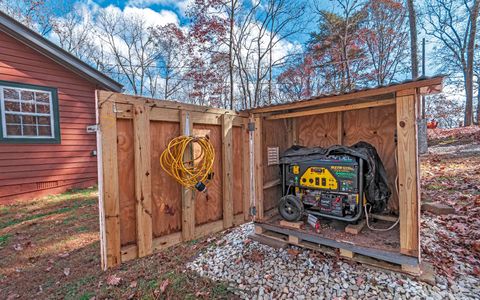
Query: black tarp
[[376, 189]]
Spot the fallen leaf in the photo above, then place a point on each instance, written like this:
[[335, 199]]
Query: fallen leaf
[[113, 280], [47, 269], [164, 285], [66, 271], [360, 281], [133, 284], [13, 296], [293, 252], [64, 254]]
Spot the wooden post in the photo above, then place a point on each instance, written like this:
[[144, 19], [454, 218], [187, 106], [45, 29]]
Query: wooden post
[[143, 185], [258, 169], [245, 170], [227, 165], [340, 127], [188, 203], [409, 198], [109, 208]]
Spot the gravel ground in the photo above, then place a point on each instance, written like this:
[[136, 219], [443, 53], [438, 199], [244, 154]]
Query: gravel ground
[[258, 271]]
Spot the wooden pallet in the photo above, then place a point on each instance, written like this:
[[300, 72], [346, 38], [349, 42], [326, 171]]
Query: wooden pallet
[[373, 257]]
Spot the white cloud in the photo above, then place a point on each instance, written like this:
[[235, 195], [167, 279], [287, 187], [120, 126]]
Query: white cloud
[[182, 5], [152, 17]]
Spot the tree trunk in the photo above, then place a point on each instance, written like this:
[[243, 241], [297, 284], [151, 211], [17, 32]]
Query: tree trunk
[[469, 71], [413, 38], [230, 51], [478, 99]]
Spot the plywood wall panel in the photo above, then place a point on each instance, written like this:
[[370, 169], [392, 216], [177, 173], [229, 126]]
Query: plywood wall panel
[[166, 192], [318, 130], [209, 206], [126, 181], [376, 126]]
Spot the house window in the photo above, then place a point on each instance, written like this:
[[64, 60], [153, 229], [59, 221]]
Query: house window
[[29, 113]]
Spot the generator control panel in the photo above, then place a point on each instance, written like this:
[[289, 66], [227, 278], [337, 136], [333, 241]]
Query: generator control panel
[[337, 173]]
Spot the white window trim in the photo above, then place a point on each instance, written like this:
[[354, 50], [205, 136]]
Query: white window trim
[[4, 120]]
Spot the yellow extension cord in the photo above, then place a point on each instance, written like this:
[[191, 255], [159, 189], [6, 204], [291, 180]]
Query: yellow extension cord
[[188, 173]]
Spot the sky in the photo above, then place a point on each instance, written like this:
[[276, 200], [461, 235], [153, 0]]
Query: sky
[[166, 11], [179, 8]]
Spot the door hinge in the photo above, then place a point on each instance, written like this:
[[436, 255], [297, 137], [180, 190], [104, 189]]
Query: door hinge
[[251, 126], [253, 211]]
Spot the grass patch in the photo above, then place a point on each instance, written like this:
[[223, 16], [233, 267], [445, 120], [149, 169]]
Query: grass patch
[[220, 290], [4, 239], [82, 229], [76, 204], [73, 289]]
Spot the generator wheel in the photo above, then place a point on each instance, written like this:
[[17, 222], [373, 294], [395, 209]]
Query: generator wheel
[[291, 208]]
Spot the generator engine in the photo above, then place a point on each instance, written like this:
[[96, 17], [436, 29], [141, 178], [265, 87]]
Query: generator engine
[[330, 187]]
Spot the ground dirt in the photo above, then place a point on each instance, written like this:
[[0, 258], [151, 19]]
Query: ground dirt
[[49, 247]]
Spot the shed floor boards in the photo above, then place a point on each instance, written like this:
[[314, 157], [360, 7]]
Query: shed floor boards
[[382, 240]]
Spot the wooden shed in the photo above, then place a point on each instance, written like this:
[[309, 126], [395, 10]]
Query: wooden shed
[[47, 100], [385, 117], [143, 210]]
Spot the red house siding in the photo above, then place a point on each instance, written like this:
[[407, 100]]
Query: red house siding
[[31, 170]]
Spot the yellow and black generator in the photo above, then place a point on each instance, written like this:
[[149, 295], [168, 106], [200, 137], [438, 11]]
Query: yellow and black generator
[[328, 183]]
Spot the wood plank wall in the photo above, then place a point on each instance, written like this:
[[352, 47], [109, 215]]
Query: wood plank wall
[[32, 170], [144, 209]]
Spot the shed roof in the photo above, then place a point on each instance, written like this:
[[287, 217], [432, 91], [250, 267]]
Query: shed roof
[[427, 85], [37, 42]]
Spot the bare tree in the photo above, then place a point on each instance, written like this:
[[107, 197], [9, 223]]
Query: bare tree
[[38, 15], [453, 24], [337, 46], [132, 46], [385, 37], [261, 31], [171, 49]]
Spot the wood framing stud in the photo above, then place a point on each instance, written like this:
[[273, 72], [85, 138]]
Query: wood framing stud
[[227, 165], [332, 109], [143, 185], [409, 204], [258, 169], [245, 170], [436, 81], [188, 203], [109, 201]]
